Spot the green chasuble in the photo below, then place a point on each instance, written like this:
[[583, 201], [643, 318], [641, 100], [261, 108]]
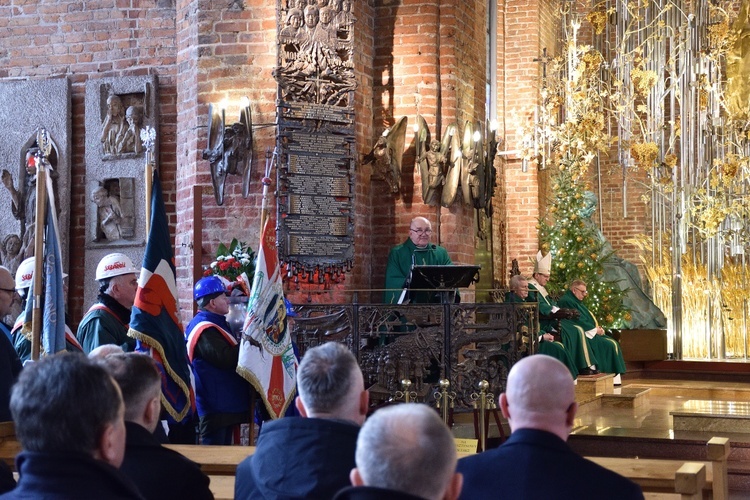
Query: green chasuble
[[606, 349], [400, 260], [546, 303], [554, 348]]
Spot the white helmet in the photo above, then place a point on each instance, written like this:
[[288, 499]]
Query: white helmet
[[24, 274], [115, 264]]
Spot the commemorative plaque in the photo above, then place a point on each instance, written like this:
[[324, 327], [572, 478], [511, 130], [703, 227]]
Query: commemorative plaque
[[316, 83]]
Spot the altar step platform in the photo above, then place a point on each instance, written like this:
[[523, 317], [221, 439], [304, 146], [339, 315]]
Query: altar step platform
[[688, 403], [712, 416], [600, 391]]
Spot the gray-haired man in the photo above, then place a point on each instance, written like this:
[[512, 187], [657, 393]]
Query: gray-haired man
[[310, 457]]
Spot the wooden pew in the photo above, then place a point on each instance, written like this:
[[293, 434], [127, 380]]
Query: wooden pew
[[651, 474], [658, 475], [214, 460], [9, 446], [690, 480], [222, 487], [718, 454]]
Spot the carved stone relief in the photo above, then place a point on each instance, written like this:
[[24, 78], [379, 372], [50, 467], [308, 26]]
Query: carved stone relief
[[315, 116], [117, 109], [25, 107], [114, 209]]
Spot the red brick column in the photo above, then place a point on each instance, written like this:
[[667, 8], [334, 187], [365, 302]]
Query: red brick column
[[224, 54], [530, 26], [429, 60]]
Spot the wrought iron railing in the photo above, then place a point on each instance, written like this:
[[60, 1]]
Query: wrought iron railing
[[424, 343]]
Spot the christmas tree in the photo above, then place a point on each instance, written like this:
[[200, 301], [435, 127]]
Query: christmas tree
[[578, 250], [567, 231]]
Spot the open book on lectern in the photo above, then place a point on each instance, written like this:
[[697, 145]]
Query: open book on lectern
[[441, 279]]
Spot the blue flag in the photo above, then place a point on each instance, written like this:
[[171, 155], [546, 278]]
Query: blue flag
[[53, 326], [154, 322], [52, 297]]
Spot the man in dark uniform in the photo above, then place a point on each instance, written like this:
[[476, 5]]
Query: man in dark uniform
[[22, 339], [158, 472], [21, 333], [416, 250], [106, 322], [223, 396]]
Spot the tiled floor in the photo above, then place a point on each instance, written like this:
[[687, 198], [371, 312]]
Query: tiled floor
[[654, 420]]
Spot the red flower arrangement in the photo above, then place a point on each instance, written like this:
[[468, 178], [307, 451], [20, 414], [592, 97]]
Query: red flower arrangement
[[235, 265]]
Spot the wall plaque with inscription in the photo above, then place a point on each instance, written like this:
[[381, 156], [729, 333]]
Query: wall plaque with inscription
[[316, 83]]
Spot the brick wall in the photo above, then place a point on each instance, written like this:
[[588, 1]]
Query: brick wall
[[411, 57], [429, 60], [521, 86], [224, 54]]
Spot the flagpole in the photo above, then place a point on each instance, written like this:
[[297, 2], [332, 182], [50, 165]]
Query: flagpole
[[148, 138], [42, 140], [266, 181]]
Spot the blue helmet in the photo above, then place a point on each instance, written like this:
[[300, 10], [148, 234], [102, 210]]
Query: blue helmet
[[208, 286]]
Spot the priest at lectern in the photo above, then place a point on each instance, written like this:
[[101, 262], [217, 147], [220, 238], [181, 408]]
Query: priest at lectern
[[416, 250]]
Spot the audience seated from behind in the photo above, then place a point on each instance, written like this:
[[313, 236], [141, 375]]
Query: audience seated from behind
[[310, 456], [536, 462], [158, 472], [104, 350], [68, 413], [405, 452]]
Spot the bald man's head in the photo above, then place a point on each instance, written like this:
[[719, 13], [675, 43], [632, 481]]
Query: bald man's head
[[540, 395]]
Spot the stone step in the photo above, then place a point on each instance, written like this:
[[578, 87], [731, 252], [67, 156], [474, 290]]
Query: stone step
[[589, 386], [627, 397], [712, 416]]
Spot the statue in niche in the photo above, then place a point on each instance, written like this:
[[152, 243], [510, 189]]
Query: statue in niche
[[115, 126], [23, 197], [130, 142], [10, 252], [108, 214], [645, 314]]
